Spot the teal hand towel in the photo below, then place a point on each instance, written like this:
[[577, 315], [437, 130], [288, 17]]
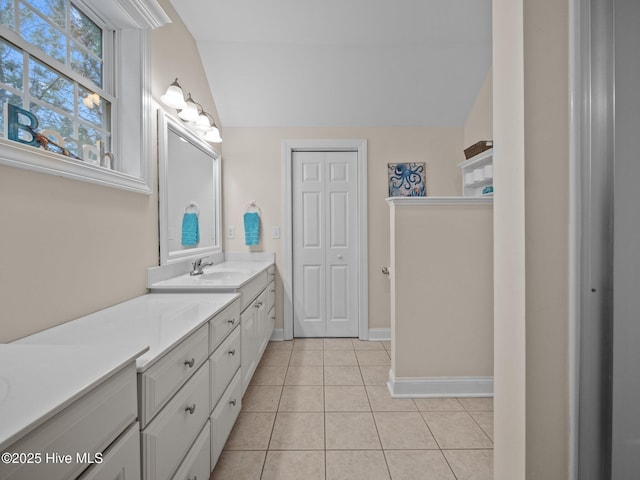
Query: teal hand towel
[[190, 230], [251, 228]]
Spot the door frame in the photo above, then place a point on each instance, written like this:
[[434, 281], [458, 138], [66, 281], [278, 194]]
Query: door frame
[[325, 145]]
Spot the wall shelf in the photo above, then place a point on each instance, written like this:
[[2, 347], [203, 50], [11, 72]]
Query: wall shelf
[[477, 173]]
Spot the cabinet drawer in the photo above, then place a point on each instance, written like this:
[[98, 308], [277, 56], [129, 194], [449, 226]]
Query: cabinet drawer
[[222, 324], [163, 379], [271, 322], [251, 290], [225, 362], [88, 425], [167, 438], [271, 295], [196, 463], [121, 461], [224, 416]]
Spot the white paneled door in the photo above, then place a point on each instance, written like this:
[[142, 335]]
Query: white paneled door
[[325, 244]]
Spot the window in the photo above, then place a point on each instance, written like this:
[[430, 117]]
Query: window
[[57, 71], [61, 62]]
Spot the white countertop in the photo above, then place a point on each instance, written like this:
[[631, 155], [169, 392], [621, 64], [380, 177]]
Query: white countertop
[[158, 321], [227, 276], [36, 382]]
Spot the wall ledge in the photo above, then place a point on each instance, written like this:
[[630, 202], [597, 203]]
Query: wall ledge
[[459, 200]]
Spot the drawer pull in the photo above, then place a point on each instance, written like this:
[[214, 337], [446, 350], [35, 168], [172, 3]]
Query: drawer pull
[[191, 409], [273, 318], [231, 321], [273, 291], [190, 363], [257, 305], [233, 402], [232, 352]]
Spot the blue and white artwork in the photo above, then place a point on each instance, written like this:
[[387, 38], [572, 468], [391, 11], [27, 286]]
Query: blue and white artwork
[[407, 180]]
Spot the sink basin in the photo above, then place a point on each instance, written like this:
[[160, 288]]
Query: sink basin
[[225, 275]]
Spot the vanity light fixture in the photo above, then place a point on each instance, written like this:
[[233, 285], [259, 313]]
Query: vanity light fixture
[[174, 97], [207, 126], [191, 112]]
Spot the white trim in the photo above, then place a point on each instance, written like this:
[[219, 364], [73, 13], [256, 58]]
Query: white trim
[[288, 147], [416, 387], [131, 126], [15, 154], [578, 71], [379, 334], [137, 14], [277, 335], [167, 122], [485, 200]]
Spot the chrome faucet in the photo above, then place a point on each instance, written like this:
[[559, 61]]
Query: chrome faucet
[[198, 266]]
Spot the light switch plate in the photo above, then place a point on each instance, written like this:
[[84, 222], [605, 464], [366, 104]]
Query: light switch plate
[[275, 232], [231, 231]]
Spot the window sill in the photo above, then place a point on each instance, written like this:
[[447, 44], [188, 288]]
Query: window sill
[[23, 156]]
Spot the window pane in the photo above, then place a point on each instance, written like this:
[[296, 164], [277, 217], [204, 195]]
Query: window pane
[[7, 97], [86, 32], [89, 136], [7, 15], [52, 9], [48, 85], [42, 35], [11, 65], [86, 64]]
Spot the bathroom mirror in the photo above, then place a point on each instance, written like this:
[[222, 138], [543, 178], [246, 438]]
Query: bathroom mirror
[[189, 182]]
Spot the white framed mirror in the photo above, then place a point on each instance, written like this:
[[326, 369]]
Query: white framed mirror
[[189, 182]]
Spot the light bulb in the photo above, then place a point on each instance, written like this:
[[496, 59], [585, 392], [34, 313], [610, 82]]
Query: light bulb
[[174, 97], [190, 112]]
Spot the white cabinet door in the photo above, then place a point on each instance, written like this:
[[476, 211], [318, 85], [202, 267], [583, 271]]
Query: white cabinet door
[[248, 345], [325, 244]]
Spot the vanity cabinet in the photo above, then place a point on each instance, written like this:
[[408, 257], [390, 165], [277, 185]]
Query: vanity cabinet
[[256, 322], [90, 428], [179, 395]]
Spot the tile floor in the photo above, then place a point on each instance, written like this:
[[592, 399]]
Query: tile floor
[[319, 409]]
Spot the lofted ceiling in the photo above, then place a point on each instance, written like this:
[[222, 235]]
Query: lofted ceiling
[[283, 63]]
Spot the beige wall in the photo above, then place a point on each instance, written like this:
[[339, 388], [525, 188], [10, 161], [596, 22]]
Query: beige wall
[[442, 271], [252, 170], [531, 127], [546, 53], [70, 248], [479, 124]]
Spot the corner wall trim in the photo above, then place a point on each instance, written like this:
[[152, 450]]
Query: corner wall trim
[[416, 387]]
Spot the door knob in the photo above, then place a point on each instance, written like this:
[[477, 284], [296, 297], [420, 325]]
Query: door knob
[[339, 257], [385, 270]]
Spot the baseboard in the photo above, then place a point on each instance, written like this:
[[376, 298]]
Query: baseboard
[[379, 334], [375, 334], [277, 335], [416, 387]]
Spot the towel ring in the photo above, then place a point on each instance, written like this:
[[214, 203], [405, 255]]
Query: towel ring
[[192, 205], [252, 206]]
